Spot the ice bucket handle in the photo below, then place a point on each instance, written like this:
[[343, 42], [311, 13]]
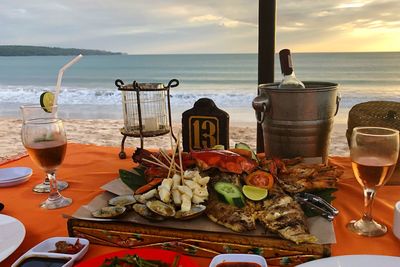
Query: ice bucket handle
[[261, 105]]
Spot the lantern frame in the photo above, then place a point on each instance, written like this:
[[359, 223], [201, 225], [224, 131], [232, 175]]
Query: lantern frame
[[145, 103]]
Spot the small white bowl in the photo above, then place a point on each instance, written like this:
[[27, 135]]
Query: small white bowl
[[396, 220], [43, 249], [238, 258]]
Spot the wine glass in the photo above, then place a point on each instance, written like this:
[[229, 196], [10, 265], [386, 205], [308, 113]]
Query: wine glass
[[44, 138], [35, 111], [374, 152]]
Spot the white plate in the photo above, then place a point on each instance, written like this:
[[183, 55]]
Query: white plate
[[238, 258], [14, 173], [43, 249], [355, 260], [15, 182], [12, 233]]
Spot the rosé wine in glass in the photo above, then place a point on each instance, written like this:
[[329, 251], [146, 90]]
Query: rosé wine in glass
[[374, 152]]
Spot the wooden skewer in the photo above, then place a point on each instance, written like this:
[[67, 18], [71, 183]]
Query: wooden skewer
[[168, 158], [165, 155], [178, 144], [172, 147], [159, 161], [155, 163], [171, 166], [172, 161]]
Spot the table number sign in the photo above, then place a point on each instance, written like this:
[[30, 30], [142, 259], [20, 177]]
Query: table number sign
[[204, 126]]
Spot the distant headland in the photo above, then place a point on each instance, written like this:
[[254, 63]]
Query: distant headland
[[27, 50]]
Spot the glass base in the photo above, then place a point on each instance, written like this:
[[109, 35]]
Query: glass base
[[367, 228], [45, 187], [57, 203]]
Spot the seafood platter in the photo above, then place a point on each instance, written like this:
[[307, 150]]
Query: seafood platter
[[214, 201]]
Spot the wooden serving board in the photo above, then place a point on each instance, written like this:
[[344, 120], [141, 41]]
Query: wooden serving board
[[277, 251], [197, 237]]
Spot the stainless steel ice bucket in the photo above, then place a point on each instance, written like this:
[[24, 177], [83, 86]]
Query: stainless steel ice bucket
[[297, 122]]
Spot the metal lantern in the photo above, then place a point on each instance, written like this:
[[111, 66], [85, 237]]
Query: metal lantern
[[146, 110]]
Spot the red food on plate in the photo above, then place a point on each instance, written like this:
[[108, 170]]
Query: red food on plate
[[238, 264], [153, 254], [67, 248], [260, 178]]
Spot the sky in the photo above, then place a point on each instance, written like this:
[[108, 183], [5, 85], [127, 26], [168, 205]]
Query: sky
[[200, 26]]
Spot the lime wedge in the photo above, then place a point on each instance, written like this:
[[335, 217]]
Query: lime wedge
[[254, 193], [219, 147], [47, 101]]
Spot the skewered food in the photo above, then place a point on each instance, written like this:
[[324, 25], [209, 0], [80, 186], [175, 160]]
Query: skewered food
[[224, 160]]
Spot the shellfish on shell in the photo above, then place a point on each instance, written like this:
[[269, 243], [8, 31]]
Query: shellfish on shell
[[109, 212], [161, 208], [145, 212], [194, 212], [124, 200]]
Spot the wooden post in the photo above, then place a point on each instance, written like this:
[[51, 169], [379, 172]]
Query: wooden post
[[266, 51]]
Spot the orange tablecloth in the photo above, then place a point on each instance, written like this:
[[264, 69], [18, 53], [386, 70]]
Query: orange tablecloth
[[87, 167]]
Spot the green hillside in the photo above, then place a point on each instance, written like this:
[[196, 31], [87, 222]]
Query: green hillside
[[26, 50]]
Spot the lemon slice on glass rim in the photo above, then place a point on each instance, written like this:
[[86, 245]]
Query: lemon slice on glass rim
[[254, 193], [47, 101]]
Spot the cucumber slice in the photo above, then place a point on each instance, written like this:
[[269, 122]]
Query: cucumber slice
[[247, 147], [230, 193], [242, 146], [47, 101]]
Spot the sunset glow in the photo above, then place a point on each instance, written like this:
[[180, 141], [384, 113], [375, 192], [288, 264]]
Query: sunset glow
[[226, 26]]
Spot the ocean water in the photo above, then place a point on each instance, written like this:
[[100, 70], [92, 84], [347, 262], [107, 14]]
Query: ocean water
[[88, 89]]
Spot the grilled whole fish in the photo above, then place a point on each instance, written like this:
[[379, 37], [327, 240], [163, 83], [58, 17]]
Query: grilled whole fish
[[306, 177], [232, 217], [281, 214]]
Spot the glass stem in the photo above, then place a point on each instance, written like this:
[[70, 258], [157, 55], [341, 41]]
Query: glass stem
[[54, 194], [46, 180], [369, 195]]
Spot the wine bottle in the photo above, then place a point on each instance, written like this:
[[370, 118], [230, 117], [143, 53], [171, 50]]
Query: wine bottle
[[289, 78]]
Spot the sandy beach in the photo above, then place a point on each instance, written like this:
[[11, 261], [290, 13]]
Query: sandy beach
[[106, 132]]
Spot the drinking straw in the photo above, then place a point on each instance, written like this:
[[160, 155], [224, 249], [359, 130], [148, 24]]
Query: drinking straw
[[61, 73]]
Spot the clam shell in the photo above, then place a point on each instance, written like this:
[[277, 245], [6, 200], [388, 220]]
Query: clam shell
[[161, 208], [194, 212], [109, 212], [124, 200], [143, 211]]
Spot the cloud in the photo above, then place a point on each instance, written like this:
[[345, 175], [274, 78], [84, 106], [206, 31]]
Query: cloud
[[331, 25], [181, 26], [218, 20], [352, 5]]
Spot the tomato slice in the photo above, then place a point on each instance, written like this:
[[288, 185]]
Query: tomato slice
[[260, 179]]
